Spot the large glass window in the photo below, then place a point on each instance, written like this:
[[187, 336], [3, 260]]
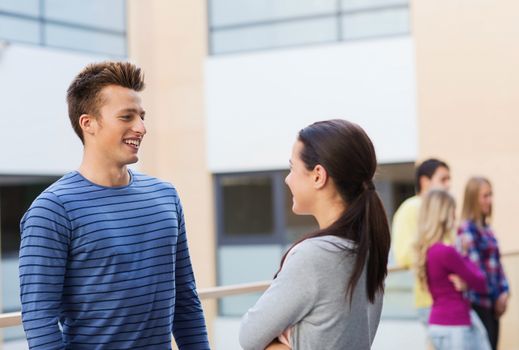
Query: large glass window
[[255, 225], [100, 14], [233, 12], [246, 203], [19, 29], [24, 7], [16, 195], [273, 35], [97, 26], [243, 25], [62, 36], [367, 24]]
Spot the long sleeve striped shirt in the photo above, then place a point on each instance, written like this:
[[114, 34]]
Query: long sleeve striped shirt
[[108, 268]]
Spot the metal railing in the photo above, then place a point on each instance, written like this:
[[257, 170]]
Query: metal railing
[[15, 319]]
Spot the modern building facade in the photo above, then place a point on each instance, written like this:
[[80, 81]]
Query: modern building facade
[[263, 70], [230, 83]]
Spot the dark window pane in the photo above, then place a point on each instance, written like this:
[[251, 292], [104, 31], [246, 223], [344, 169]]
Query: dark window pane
[[402, 191], [14, 202], [247, 205]]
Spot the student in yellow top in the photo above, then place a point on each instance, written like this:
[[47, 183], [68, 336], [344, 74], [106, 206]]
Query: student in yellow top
[[432, 173]]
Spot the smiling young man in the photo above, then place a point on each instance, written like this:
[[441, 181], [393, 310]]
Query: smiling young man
[[104, 262]]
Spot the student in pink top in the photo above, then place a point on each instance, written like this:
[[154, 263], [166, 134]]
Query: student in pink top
[[450, 325]]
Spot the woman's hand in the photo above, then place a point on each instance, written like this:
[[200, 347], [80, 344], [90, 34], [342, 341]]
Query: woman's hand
[[458, 283], [501, 304], [276, 345]]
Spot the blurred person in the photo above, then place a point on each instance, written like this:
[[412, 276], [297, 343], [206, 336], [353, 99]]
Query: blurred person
[[104, 261], [430, 174], [328, 291], [476, 238], [449, 326]]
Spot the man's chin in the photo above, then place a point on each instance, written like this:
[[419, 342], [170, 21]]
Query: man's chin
[[132, 160]]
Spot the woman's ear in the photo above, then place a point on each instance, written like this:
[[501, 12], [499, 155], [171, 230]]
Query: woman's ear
[[320, 176]]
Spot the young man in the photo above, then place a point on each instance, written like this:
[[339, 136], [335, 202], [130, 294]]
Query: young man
[[432, 173], [104, 262]]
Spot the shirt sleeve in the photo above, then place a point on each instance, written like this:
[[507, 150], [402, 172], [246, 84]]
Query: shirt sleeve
[[189, 327], [503, 286], [467, 245], [466, 270], [45, 231], [404, 234], [291, 296]]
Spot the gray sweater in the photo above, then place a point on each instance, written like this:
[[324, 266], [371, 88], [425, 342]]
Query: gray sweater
[[309, 295]]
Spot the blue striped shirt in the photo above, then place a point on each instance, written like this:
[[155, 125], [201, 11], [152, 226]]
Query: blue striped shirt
[[108, 268]]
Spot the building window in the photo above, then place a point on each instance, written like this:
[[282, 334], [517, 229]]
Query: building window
[[255, 225], [96, 26], [246, 205], [245, 25], [16, 195]]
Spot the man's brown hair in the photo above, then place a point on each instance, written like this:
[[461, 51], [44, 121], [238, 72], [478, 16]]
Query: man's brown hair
[[84, 93]]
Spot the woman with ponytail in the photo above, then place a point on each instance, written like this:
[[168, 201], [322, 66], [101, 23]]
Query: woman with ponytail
[[328, 291]]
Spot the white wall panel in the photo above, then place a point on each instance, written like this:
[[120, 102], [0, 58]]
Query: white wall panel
[[36, 135], [256, 102]]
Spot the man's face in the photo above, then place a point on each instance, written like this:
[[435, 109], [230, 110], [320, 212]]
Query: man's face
[[441, 179], [119, 128]]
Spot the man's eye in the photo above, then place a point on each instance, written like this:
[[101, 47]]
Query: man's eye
[[125, 117]]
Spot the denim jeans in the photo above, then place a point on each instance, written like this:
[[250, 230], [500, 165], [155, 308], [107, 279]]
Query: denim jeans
[[423, 315], [457, 338]]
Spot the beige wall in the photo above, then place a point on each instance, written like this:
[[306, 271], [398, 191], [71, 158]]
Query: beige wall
[[167, 38], [467, 56], [509, 338]]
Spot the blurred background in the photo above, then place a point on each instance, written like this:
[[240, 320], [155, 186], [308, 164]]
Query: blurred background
[[229, 85]]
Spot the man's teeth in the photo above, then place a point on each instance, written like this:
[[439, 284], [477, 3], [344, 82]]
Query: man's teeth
[[132, 142]]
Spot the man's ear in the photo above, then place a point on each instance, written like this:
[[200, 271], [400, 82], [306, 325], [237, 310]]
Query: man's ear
[[87, 123], [320, 176], [425, 183]]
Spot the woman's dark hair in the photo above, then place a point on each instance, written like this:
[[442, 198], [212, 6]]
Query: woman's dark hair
[[347, 154]]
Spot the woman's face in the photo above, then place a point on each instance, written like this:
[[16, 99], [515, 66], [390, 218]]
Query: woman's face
[[299, 180], [485, 198]]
